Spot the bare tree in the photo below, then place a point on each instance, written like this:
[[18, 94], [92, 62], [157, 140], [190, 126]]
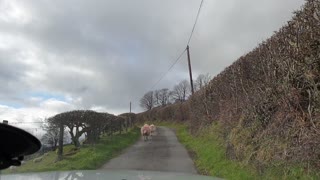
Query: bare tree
[[164, 96], [156, 98], [147, 101], [201, 81], [181, 91], [171, 98], [51, 136]]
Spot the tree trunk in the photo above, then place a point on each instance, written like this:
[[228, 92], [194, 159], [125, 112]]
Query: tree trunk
[[75, 141], [60, 151], [55, 144]]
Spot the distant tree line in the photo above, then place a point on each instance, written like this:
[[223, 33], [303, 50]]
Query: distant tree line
[[179, 93]]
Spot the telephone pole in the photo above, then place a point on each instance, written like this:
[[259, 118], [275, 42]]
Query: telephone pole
[[190, 71], [130, 121]]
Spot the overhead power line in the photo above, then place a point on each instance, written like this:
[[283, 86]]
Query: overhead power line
[[28, 122], [195, 23], [193, 28], [179, 57]]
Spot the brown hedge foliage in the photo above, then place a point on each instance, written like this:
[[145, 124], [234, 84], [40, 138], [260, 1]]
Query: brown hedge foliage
[[268, 101]]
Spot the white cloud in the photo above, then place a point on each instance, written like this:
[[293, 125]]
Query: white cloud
[[27, 118], [44, 109], [12, 11]]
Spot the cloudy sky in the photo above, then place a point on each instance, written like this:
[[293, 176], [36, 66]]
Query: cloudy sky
[[62, 55]]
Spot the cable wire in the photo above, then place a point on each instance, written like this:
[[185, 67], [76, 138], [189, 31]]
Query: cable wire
[[26, 122], [194, 25], [179, 57]]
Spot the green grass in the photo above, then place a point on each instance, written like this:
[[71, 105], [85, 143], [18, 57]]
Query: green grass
[[209, 154], [89, 157]]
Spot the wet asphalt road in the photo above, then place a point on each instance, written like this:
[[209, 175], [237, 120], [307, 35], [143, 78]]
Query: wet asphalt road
[[161, 153]]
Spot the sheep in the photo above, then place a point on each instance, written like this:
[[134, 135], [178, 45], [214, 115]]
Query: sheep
[[145, 131], [39, 159], [152, 129], [13, 168]]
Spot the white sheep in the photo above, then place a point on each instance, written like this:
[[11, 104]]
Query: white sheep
[[152, 129], [145, 131], [39, 159], [13, 168]]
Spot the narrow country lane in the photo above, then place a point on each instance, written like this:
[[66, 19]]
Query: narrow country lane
[[162, 153]]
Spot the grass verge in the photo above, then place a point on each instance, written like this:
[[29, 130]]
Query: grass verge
[[88, 158], [209, 154]]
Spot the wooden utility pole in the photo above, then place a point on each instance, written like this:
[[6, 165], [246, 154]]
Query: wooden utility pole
[[130, 122], [190, 71]]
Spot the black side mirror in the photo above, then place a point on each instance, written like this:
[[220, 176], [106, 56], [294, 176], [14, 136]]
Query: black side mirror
[[15, 143]]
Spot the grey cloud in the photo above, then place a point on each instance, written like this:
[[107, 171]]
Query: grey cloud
[[12, 71], [111, 52]]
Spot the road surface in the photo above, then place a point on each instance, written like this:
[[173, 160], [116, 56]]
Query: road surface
[[162, 153]]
